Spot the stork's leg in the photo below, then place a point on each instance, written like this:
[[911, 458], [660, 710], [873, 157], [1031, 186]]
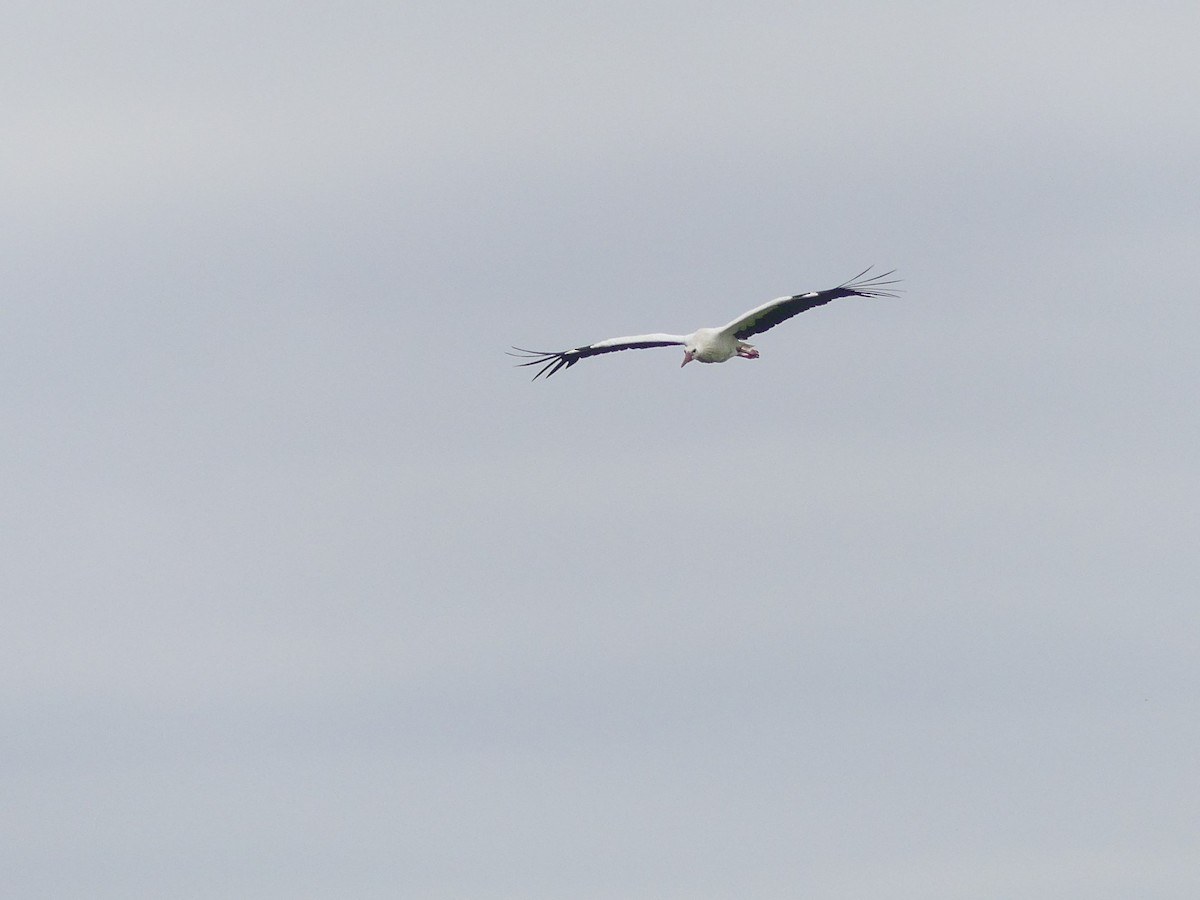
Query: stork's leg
[[746, 351]]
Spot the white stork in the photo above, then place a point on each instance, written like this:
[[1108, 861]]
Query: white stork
[[715, 345]]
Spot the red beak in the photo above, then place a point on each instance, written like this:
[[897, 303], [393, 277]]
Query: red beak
[[687, 358]]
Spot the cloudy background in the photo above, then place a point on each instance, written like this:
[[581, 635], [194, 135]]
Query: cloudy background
[[308, 593]]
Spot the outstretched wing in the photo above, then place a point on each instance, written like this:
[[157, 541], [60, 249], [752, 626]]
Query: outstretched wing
[[770, 314], [552, 362]]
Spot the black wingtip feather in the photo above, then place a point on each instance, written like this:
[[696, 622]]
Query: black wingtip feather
[[874, 286], [549, 361]]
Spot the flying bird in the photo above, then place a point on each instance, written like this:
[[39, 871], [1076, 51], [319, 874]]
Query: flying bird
[[715, 345]]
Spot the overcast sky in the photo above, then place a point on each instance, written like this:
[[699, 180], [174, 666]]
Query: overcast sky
[[307, 593]]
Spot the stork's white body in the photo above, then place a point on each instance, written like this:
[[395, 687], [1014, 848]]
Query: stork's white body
[[715, 345]]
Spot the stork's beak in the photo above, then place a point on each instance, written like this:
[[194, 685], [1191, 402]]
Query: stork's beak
[[687, 358]]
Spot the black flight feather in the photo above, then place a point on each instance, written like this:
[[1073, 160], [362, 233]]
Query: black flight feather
[[793, 306], [552, 362]]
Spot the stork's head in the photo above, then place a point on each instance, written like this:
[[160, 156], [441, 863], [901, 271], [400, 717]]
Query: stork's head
[[693, 348]]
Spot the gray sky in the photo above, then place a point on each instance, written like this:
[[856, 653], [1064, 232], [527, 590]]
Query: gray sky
[[309, 594]]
